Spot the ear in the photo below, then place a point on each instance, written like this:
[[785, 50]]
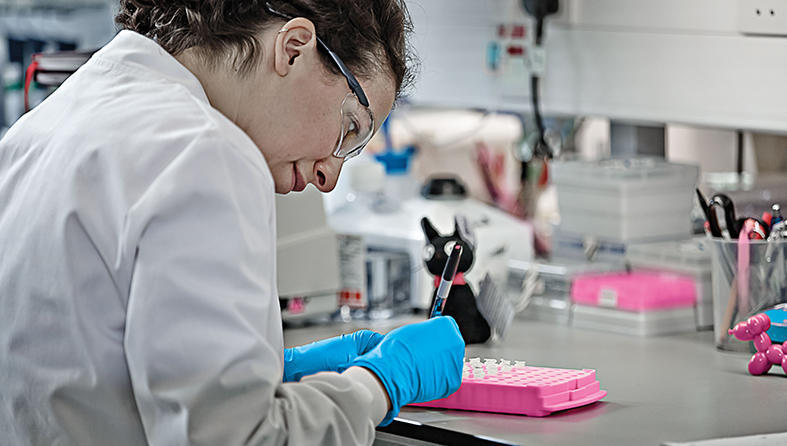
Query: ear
[[294, 40], [462, 230], [429, 230]]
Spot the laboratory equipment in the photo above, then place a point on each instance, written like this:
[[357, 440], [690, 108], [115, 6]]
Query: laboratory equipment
[[541, 289], [712, 228], [52, 69], [641, 303], [768, 354], [446, 279], [503, 386], [399, 182], [622, 200], [353, 281], [387, 284], [587, 248], [307, 257], [727, 208], [496, 306], [776, 214], [32, 26], [499, 236], [688, 257]]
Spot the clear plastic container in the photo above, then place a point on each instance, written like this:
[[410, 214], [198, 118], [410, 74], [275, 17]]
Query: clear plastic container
[[635, 199], [689, 256], [748, 278], [640, 303], [547, 285]]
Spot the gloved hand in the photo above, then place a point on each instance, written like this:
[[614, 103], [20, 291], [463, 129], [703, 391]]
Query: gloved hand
[[327, 355], [418, 362]]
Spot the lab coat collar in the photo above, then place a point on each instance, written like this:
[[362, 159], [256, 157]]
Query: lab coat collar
[[134, 50]]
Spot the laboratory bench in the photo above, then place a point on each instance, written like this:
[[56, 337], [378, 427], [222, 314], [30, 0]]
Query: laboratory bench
[[675, 388]]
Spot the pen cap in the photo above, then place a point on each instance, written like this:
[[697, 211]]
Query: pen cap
[[453, 263]]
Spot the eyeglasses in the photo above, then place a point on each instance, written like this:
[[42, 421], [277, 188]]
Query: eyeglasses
[[357, 120]]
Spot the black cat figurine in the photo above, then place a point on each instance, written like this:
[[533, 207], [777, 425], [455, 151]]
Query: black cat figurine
[[461, 303]]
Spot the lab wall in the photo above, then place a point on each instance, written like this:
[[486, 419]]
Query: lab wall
[[632, 60]]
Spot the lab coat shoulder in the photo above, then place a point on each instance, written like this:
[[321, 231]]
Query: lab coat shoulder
[[209, 168], [174, 141], [171, 116]]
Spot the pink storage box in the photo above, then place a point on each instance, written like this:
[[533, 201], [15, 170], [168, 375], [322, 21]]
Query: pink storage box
[[522, 390], [637, 291]]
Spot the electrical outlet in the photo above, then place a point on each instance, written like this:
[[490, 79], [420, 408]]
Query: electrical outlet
[[763, 17], [515, 45]]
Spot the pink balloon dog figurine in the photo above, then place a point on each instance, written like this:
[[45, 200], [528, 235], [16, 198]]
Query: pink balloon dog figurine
[[754, 329]]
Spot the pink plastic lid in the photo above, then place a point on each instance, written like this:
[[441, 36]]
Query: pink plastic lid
[[636, 291]]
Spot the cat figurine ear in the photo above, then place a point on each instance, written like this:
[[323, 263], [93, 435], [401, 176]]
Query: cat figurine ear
[[462, 230], [429, 230]]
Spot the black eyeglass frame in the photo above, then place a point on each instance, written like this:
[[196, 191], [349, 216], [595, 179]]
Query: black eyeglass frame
[[352, 82]]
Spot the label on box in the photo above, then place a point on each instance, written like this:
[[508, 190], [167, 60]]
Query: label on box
[[608, 297], [352, 269]]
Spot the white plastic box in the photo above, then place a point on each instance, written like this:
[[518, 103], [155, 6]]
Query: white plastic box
[[638, 303], [650, 323], [547, 284], [689, 256], [587, 247], [637, 199]]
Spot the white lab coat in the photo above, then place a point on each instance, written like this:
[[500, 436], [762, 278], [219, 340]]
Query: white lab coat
[[138, 300]]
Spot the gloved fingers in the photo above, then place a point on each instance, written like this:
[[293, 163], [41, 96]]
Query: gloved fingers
[[449, 324], [332, 354], [365, 340], [457, 352]]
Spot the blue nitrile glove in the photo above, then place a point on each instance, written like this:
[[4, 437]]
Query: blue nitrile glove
[[328, 355], [418, 362]]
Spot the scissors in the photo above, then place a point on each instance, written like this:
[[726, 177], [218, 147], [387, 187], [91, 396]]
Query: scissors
[[713, 224], [731, 224], [759, 230]]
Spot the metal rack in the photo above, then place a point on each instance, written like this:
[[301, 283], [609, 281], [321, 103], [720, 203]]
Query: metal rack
[[45, 25]]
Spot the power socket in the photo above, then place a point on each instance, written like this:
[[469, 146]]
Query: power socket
[[763, 17]]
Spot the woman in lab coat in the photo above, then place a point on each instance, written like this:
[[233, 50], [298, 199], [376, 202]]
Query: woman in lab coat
[[137, 272]]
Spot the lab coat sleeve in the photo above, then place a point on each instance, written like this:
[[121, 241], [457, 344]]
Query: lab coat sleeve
[[203, 327]]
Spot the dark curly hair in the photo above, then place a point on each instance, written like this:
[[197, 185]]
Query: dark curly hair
[[365, 34]]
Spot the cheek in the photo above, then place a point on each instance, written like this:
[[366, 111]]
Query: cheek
[[315, 136], [329, 128], [317, 119]]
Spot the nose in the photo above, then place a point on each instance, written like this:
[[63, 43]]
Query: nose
[[326, 173]]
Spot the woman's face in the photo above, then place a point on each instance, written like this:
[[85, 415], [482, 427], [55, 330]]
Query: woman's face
[[297, 122]]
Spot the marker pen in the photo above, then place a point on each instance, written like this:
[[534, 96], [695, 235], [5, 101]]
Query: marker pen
[[776, 213], [446, 280]]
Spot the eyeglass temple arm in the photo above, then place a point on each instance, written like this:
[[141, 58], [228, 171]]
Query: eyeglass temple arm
[[352, 82]]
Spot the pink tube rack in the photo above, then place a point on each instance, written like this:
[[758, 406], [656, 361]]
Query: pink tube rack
[[503, 387]]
